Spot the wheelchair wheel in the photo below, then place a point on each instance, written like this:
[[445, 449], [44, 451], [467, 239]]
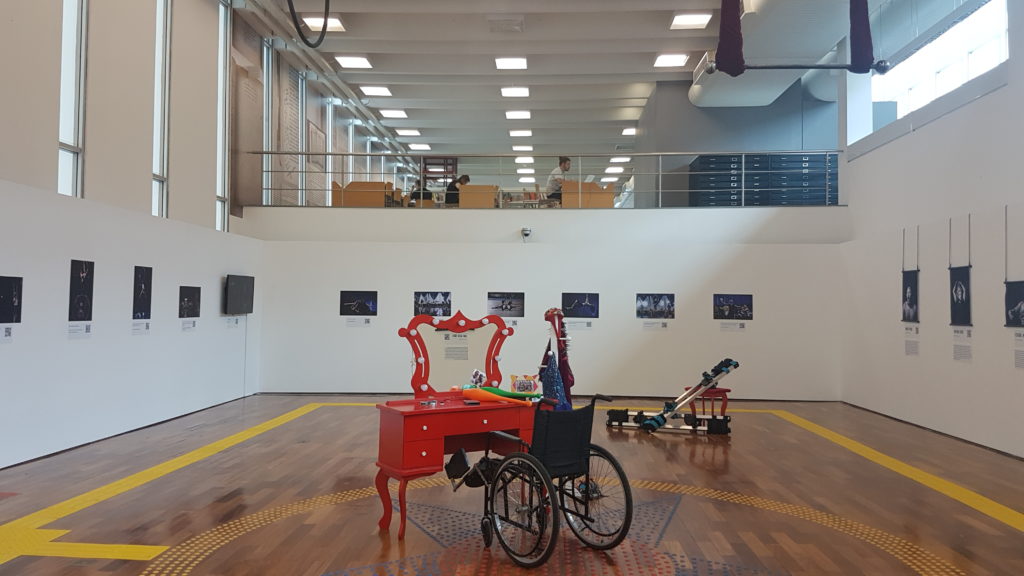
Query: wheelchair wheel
[[524, 510], [598, 506]]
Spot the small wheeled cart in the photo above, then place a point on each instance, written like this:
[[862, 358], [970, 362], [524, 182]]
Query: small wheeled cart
[[710, 418]]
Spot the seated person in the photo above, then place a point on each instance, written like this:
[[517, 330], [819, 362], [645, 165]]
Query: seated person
[[451, 196], [419, 192]]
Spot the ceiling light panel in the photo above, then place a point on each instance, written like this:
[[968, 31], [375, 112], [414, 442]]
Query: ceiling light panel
[[522, 148], [620, 160], [629, 131], [515, 92], [520, 133], [376, 90], [393, 114], [614, 170], [610, 179], [527, 180], [410, 132], [524, 159], [517, 114], [353, 61], [510, 63], [525, 170], [690, 21], [671, 60], [316, 23], [419, 147]]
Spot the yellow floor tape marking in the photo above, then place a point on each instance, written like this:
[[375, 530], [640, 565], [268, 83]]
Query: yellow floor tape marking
[[23, 537], [984, 505]]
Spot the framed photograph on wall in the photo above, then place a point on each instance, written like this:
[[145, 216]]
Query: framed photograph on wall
[[581, 304], [80, 292], [188, 301], [662, 306], [358, 302], [507, 304], [10, 299], [142, 289], [733, 307], [432, 303], [1015, 304], [910, 306], [960, 296]]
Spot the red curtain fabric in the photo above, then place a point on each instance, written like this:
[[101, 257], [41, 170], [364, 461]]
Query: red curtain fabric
[[861, 49], [729, 57]]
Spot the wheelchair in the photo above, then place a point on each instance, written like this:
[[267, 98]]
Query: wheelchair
[[559, 471]]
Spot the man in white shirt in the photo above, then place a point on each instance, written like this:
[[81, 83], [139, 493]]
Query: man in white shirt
[[556, 177]]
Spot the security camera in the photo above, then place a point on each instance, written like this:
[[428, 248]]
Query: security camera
[[526, 232]]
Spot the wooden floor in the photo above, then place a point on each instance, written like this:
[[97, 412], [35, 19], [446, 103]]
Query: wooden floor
[[797, 488]]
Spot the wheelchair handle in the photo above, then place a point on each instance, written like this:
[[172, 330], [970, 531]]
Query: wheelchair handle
[[548, 401], [600, 397]]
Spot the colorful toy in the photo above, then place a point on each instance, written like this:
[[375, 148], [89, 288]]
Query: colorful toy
[[482, 395]]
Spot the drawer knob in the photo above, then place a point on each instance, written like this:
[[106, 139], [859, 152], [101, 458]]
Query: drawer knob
[[424, 453], [485, 420], [424, 427]]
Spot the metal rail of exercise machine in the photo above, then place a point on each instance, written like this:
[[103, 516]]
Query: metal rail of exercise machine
[[667, 419]]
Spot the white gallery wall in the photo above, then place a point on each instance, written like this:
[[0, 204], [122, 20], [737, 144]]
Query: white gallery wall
[[788, 259], [61, 390]]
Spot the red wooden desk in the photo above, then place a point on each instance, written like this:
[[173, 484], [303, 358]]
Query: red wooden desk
[[414, 439]]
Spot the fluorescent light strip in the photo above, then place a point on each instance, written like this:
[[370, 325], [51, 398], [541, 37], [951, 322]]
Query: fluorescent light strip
[[375, 90], [413, 132], [420, 147], [515, 92], [609, 179], [527, 180], [620, 159], [517, 114], [614, 170], [393, 114], [520, 133], [690, 21], [525, 171], [522, 148], [316, 23], [524, 159], [353, 62], [671, 60], [629, 131], [510, 63]]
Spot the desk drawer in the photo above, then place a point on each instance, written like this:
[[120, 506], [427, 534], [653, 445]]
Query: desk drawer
[[423, 453], [423, 428], [481, 421]]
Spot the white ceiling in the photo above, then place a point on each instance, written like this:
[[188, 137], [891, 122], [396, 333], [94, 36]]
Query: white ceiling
[[591, 63]]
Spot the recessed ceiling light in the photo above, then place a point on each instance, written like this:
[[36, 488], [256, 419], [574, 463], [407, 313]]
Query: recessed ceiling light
[[524, 171], [375, 90], [527, 179], [317, 23], [610, 179], [614, 170], [510, 63], [419, 146], [393, 114], [690, 21], [671, 60], [524, 159], [515, 92], [520, 133], [620, 159], [517, 114], [435, 169], [522, 148], [353, 61], [410, 132], [629, 131]]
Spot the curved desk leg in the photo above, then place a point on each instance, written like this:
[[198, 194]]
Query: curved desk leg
[[381, 483], [401, 507]]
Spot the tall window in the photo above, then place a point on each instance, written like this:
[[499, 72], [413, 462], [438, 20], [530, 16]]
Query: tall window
[[975, 45], [223, 62], [72, 65], [160, 108]]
